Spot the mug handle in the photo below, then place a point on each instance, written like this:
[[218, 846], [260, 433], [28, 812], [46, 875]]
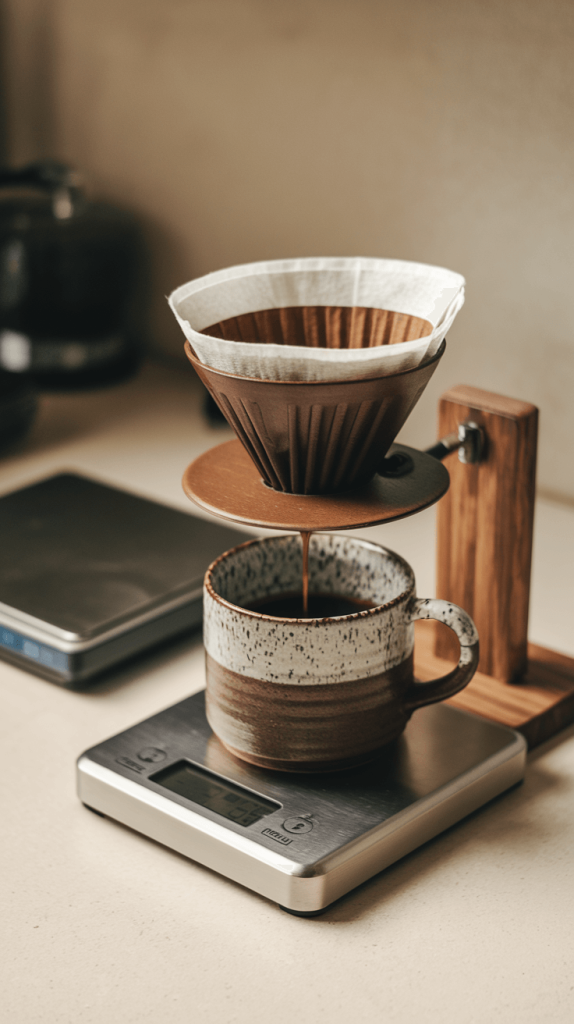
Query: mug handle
[[420, 694]]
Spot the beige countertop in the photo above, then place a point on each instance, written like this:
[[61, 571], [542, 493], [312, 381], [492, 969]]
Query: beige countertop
[[101, 925]]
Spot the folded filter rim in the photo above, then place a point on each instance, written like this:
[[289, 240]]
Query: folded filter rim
[[334, 295], [312, 281], [341, 381]]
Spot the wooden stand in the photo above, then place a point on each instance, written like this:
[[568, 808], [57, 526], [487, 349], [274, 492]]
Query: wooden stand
[[484, 553]]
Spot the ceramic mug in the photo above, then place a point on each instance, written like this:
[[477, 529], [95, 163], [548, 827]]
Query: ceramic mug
[[318, 694]]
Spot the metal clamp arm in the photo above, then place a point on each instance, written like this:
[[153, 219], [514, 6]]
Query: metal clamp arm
[[468, 439]]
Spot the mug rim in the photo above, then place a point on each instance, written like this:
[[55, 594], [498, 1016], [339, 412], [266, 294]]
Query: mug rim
[[364, 613]]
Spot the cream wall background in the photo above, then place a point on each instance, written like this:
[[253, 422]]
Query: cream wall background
[[433, 130]]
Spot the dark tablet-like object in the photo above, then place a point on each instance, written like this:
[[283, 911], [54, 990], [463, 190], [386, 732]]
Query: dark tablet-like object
[[91, 575]]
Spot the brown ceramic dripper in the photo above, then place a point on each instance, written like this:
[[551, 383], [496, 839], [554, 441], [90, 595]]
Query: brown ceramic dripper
[[318, 437]]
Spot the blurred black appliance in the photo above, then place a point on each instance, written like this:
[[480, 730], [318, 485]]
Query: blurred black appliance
[[17, 408], [68, 273]]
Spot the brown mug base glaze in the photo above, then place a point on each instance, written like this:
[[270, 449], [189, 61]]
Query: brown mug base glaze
[[307, 728], [303, 767]]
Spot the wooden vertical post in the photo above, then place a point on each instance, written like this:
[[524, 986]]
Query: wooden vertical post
[[484, 535]]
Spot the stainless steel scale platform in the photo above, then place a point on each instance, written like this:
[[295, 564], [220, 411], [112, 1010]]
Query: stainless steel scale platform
[[302, 841]]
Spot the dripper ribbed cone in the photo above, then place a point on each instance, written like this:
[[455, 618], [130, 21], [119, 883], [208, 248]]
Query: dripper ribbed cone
[[317, 437]]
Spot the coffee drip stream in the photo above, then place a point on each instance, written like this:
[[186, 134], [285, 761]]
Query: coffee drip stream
[[305, 538], [324, 604]]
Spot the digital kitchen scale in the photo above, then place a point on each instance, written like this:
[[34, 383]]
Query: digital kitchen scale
[[302, 841], [91, 575]]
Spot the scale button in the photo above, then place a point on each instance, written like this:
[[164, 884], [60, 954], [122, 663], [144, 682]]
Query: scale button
[[152, 754], [299, 825]]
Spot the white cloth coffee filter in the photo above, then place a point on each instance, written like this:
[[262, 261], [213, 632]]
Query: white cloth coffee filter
[[416, 289]]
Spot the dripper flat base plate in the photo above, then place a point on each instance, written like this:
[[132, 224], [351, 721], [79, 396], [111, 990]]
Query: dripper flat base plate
[[225, 482]]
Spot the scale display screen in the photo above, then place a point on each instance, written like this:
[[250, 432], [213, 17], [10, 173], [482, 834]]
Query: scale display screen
[[216, 794]]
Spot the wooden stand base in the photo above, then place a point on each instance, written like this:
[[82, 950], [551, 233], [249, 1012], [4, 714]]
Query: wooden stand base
[[538, 707]]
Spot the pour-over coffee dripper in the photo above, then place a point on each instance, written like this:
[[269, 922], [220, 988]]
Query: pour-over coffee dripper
[[316, 437], [316, 364]]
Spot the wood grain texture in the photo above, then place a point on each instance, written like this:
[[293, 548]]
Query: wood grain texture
[[484, 530], [322, 327], [538, 707]]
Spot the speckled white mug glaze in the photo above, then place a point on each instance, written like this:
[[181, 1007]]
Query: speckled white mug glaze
[[319, 694]]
